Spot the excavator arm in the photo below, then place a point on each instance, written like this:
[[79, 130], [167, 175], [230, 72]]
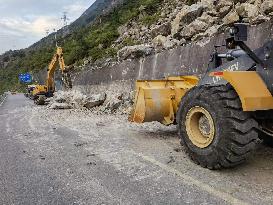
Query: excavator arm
[[57, 58]]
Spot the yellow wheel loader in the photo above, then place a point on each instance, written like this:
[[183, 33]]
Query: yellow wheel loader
[[41, 92], [219, 116]]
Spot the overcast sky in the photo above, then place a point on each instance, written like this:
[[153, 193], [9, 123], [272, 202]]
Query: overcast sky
[[23, 22]]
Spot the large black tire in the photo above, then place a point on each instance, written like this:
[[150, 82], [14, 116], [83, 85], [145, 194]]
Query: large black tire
[[235, 133]]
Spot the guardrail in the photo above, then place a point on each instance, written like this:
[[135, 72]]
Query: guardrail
[[2, 98]]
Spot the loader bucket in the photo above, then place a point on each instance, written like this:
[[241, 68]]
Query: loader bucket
[[158, 100]]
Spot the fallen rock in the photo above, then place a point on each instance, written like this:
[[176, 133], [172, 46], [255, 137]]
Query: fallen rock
[[171, 43], [267, 7], [223, 7], [187, 15], [259, 19], [75, 99], [163, 29], [210, 20], [135, 51], [165, 42], [159, 41], [211, 31], [113, 105], [194, 28], [57, 105], [208, 4], [247, 10], [95, 100], [231, 18]]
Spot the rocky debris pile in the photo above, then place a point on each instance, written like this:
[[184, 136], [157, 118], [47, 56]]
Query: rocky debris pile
[[75, 99], [99, 103], [179, 23], [120, 103]]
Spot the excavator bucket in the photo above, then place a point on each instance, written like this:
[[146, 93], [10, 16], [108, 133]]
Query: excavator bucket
[[158, 100]]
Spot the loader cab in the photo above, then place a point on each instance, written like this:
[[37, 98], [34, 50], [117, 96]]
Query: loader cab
[[235, 35]]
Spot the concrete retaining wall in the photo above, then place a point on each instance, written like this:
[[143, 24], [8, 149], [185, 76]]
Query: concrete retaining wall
[[187, 60]]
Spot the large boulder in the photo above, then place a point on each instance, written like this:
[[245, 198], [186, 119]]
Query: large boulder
[[187, 15], [95, 100], [210, 20], [223, 7], [171, 43], [231, 18], [165, 42], [163, 29], [247, 10], [135, 51], [114, 103], [267, 7], [259, 19], [57, 106], [159, 41], [194, 28], [211, 31]]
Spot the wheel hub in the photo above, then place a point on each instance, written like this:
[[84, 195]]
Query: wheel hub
[[204, 126], [200, 127]]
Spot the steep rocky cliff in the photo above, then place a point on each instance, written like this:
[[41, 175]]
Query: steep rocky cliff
[[183, 22]]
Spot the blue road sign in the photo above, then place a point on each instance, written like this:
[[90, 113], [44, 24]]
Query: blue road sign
[[25, 78]]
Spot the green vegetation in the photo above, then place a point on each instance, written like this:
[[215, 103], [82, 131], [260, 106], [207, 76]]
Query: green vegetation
[[149, 20], [130, 42], [92, 41]]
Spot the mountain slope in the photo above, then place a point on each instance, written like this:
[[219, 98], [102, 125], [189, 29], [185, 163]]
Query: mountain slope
[[38, 55], [91, 36], [109, 26]]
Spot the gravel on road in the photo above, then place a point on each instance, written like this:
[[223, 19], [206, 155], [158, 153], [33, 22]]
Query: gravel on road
[[78, 157]]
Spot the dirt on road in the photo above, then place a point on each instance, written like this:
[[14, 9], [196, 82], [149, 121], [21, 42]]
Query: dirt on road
[[88, 158]]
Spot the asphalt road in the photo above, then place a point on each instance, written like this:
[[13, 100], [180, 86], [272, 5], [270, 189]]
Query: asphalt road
[[76, 157]]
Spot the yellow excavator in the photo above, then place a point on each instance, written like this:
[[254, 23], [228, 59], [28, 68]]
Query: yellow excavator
[[41, 92], [221, 115]]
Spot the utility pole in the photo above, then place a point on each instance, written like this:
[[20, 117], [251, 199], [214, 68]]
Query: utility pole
[[65, 19], [65, 23]]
